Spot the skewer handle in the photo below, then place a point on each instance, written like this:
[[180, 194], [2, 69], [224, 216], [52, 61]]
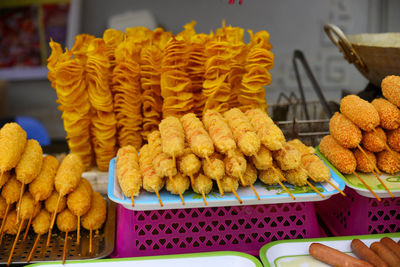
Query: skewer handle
[[15, 243], [90, 241], [285, 188], [367, 186], [383, 184], [33, 248], [315, 189], [65, 247], [4, 221], [78, 232]]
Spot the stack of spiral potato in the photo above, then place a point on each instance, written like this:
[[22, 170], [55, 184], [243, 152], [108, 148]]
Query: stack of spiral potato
[[231, 148], [34, 189], [114, 91]]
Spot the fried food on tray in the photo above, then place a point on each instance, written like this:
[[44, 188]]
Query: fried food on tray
[[375, 140], [128, 171], [66, 221], [235, 165], [172, 136], [393, 139], [340, 157], [391, 89], [346, 133], [4, 176], [12, 145], [202, 184], [363, 164], [297, 177], [68, 174], [96, 216], [188, 163], [301, 147], [151, 180], [316, 168], [42, 187], [287, 158], [389, 114], [41, 223], [228, 183], [263, 159], [177, 184], [51, 202], [79, 200], [388, 162]]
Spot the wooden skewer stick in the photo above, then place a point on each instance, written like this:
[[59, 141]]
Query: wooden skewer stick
[[329, 182], [221, 191], [204, 197], [4, 220], [369, 160], [33, 248], [90, 241], [48, 238], [384, 185], [78, 231], [132, 200], [285, 188], [236, 195], [315, 189], [279, 173], [29, 223], [65, 247], [191, 179], [255, 192], [241, 179], [159, 198], [183, 201], [15, 243], [19, 201], [367, 186], [53, 219]]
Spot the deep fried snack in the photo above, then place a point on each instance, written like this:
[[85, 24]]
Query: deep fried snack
[[363, 164], [4, 176], [287, 158], [359, 111], [11, 190], [389, 114], [3, 207], [27, 207], [340, 157], [41, 223], [28, 168], [67, 221], [128, 171], [316, 168], [297, 177], [388, 161], [202, 184], [216, 170], [243, 132], [263, 159], [151, 181], [68, 174], [270, 177], [188, 163], [250, 176], [79, 200], [375, 140], [346, 133], [97, 214], [42, 187], [177, 184], [365, 253], [235, 165], [393, 139], [391, 89], [172, 136], [12, 145], [228, 183], [300, 146], [51, 202], [11, 225]]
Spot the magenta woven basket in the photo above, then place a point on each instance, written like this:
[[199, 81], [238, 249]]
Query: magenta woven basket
[[239, 228], [359, 215]]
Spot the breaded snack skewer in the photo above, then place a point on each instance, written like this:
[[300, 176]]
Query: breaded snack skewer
[[231, 184], [215, 169], [172, 137], [269, 133], [243, 132], [271, 177], [263, 159], [66, 222], [389, 114], [391, 89], [393, 139], [202, 185], [250, 177], [96, 216], [298, 177], [287, 158], [374, 141], [12, 145], [219, 131], [197, 137], [235, 165], [4, 176], [11, 227], [128, 172], [189, 164], [79, 202], [41, 225], [384, 140], [3, 207], [301, 147], [10, 193], [177, 185], [388, 162], [151, 181], [29, 166]]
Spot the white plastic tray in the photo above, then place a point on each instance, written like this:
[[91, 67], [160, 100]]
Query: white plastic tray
[[294, 253], [221, 259], [268, 195]]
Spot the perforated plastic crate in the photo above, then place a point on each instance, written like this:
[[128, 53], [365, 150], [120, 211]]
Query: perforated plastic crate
[[239, 228], [359, 215]]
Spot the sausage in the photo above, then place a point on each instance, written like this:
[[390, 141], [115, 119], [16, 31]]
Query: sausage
[[359, 111], [172, 136], [340, 157], [97, 214], [393, 139], [345, 132], [42, 187], [365, 253], [30, 164], [335, 257], [393, 246], [374, 141], [12, 145], [389, 114], [68, 174], [386, 254], [391, 89]]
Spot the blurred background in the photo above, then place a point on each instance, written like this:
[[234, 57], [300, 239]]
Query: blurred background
[[292, 24]]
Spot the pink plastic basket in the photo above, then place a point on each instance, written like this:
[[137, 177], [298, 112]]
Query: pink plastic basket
[[359, 215], [239, 228]]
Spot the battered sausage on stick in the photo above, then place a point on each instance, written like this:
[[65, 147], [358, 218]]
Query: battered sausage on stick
[[79, 201], [335, 257], [12, 145], [361, 112], [365, 253], [393, 139], [96, 216], [346, 133], [386, 254], [387, 162], [11, 226], [10, 193], [231, 184], [41, 225], [4, 178], [243, 132], [215, 169], [269, 133], [389, 114], [66, 222], [287, 158], [177, 185], [30, 164], [3, 207], [250, 177], [128, 172], [263, 159], [375, 140], [273, 176], [172, 137], [235, 165], [391, 89], [298, 177], [197, 137], [151, 181], [393, 246], [219, 131], [202, 185], [301, 147], [189, 164], [51, 203]]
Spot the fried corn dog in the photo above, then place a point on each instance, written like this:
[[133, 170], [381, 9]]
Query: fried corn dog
[[243, 132], [3, 207], [287, 158], [391, 89], [359, 111], [11, 226], [42, 187], [197, 136], [51, 203], [202, 185], [250, 176], [215, 169], [172, 137], [340, 157], [263, 159], [11, 193], [316, 168], [96, 216], [374, 141], [387, 162], [4, 178], [235, 165], [393, 139], [389, 114], [301, 147], [219, 131], [364, 165], [297, 177], [151, 181], [12, 145], [68, 174], [79, 201], [345, 132], [128, 171], [269, 133], [189, 164], [66, 222], [270, 177], [231, 184], [177, 184], [41, 225]]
